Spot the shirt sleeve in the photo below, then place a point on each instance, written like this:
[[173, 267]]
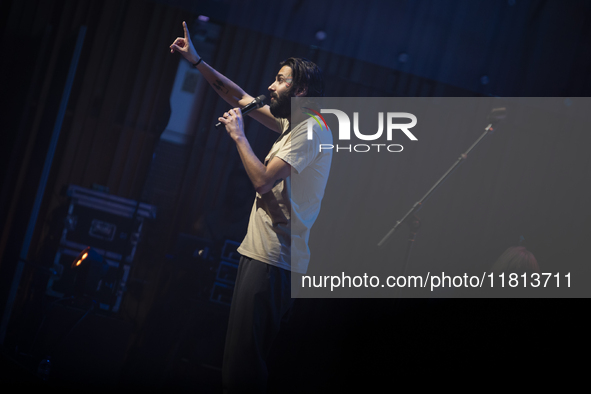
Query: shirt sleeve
[[282, 123], [299, 151]]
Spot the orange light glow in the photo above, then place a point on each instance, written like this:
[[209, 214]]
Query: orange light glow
[[81, 257]]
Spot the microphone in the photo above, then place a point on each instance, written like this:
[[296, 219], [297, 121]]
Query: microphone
[[496, 116], [254, 104]]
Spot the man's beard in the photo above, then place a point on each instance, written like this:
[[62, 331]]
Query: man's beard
[[281, 106]]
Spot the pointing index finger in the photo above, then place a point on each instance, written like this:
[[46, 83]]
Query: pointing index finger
[[186, 30]]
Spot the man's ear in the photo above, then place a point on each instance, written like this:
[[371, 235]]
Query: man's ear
[[302, 92]]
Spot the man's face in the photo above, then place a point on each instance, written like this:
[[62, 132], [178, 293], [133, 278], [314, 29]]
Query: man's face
[[281, 93]]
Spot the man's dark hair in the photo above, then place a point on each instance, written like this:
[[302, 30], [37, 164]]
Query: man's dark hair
[[306, 74]]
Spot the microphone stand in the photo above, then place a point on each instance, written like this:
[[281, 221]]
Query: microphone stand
[[410, 218]]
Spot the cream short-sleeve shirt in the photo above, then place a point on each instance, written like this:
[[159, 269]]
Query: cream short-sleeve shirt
[[281, 219]]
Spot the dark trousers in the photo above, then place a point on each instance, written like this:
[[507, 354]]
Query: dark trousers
[[261, 299]]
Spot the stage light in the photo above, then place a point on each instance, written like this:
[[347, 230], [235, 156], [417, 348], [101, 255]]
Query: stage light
[[320, 35], [81, 257], [90, 270], [403, 57]]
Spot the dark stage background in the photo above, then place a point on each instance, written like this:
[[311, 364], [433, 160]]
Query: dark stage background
[[138, 123]]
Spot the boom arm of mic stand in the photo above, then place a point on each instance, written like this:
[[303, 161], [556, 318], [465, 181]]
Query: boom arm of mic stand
[[419, 203]]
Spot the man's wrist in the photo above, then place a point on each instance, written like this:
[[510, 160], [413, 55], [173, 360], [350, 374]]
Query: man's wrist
[[195, 64], [239, 138]]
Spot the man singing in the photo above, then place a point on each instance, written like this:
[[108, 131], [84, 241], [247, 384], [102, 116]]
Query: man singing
[[289, 188]]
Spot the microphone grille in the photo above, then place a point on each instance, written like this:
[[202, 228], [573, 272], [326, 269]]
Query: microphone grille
[[497, 115]]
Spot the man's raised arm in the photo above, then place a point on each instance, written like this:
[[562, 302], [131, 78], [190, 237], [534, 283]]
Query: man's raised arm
[[228, 90]]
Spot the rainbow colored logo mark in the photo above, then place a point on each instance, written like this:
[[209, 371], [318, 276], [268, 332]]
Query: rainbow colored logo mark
[[314, 116]]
